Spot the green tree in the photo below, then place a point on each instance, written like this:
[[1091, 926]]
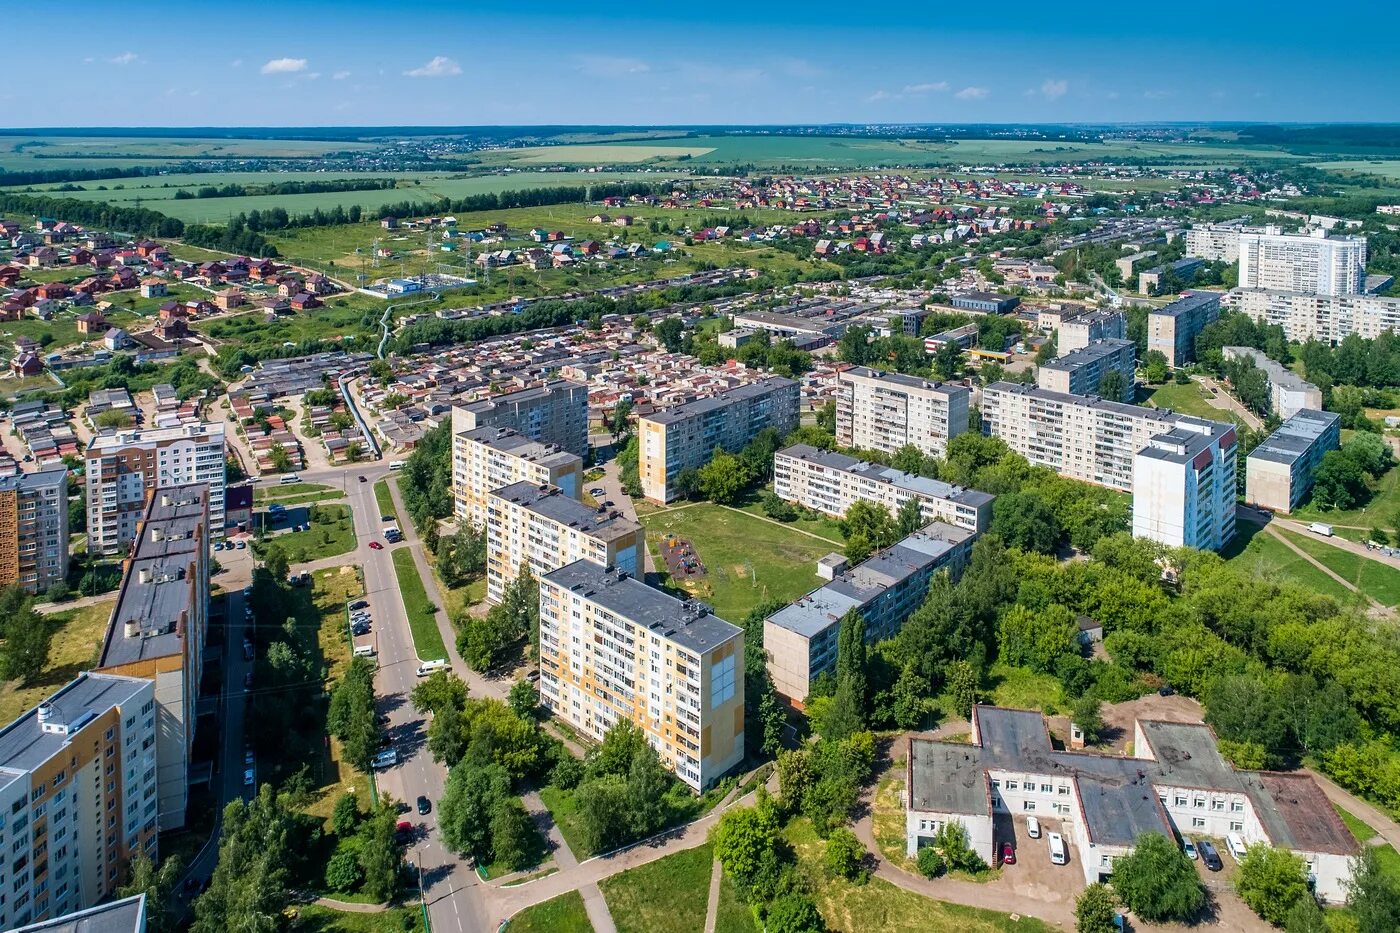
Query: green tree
[[963, 686], [524, 700], [930, 863], [1113, 386], [343, 871], [745, 840], [1095, 909], [604, 811], [794, 913], [910, 518], [1024, 520], [158, 885], [381, 853], [952, 842], [909, 459], [1037, 639], [1338, 483], [28, 636], [1088, 716], [845, 856], [447, 740], [723, 478], [514, 839], [1155, 363], [872, 522], [439, 689], [1372, 894], [249, 888], [346, 815], [1271, 881], [468, 800], [350, 716], [1158, 882]]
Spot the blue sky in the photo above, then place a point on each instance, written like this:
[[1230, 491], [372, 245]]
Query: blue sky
[[308, 62]]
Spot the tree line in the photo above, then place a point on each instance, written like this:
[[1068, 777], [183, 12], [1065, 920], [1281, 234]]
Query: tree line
[[232, 190]]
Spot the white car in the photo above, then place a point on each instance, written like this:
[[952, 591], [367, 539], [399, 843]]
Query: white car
[[1032, 827], [386, 759]]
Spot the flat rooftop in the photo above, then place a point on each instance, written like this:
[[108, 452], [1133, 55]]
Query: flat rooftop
[[1165, 416], [909, 382], [49, 477], [25, 745], [1296, 436], [1095, 352], [518, 445], [722, 400], [155, 590], [923, 485], [1189, 303], [551, 503], [689, 623], [207, 431], [522, 396], [127, 915]]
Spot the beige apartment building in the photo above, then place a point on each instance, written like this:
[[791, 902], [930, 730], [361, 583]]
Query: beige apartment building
[[34, 529], [489, 458], [1077, 333], [125, 468], [542, 528], [78, 796], [1278, 473], [1329, 318], [613, 648], [1172, 330], [684, 437], [1312, 262], [1082, 371], [159, 626], [554, 413], [883, 411]]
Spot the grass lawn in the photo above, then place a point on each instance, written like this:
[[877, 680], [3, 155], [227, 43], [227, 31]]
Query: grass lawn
[[306, 498], [731, 914], [1189, 399], [1385, 854], [1022, 688], [385, 500], [1262, 555], [427, 640], [747, 560], [823, 527], [332, 533], [77, 638], [562, 808], [668, 894], [318, 919], [1379, 581], [281, 493], [1380, 511], [562, 914], [879, 905], [887, 817]]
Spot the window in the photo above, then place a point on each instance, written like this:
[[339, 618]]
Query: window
[[1012, 785], [1106, 861], [1047, 788], [1180, 800], [1197, 822], [1028, 806], [722, 681], [1236, 826], [1217, 804], [1198, 802], [1062, 790], [1236, 806]]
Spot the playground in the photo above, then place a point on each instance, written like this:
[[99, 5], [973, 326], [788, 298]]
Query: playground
[[681, 560]]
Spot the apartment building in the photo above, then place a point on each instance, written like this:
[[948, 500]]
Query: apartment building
[[831, 483], [800, 639], [613, 648], [1154, 281], [1311, 262], [1129, 264], [1172, 330], [1289, 393], [34, 529], [127, 915], [885, 411], [1278, 473], [554, 413], [684, 437], [159, 627], [1184, 488], [1082, 371], [543, 528], [1328, 318], [77, 796], [1216, 242], [1175, 783], [489, 458], [1077, 333], [124, 469]]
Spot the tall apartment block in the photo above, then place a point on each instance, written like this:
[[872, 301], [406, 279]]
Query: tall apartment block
[[34, 529], [1329, 318], [683, 438], [1312, 262], [1184, 488], [1278, 473], [800, 639], [1077, 333], [1081, 371], [159, 626], [831, 483], [613, 648], [554, 413], [1172, 330], [1289, 393], [78, 796], [540, 526], [489, 458], [885, 411], [1216, 242], [124, 470]]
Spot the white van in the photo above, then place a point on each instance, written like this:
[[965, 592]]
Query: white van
[[396, 464], [288, 478], [1057, 849], [1032, 827], [364, 651], [427, 667], [1235, 843], [386, 759]]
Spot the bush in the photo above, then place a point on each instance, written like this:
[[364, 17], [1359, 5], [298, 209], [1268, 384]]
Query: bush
[[1095, 909], [845, 856], [952, 841], [568, 771], [931, 864], [343, 871]]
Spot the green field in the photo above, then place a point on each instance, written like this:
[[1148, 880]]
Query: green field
[[77, 637], [1189, 399], [1379, 581], [563, 914], [1385, 168], [670, 893], [39, 153], [332, 533], [1262, 555], [747, 560], [422, 621], [1380, 511], [732, 915]]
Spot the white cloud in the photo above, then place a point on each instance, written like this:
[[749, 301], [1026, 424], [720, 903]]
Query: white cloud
[[1156, 94], [236, 63], [608, 66], [125, 58], [880, 95], [972, 93], [284, 66], [440, 67], [928, 87], [1054, 88], [340, 76]]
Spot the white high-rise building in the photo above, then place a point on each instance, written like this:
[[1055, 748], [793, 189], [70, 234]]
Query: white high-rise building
[[885, 411], [1314, 262], [1184, 489]]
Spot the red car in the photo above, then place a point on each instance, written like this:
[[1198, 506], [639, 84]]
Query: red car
[[1008, 854], [376, 546], [403, 827]]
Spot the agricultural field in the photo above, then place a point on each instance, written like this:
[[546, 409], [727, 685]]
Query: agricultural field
[[38, 153]]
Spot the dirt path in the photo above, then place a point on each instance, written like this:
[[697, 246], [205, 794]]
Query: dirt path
[[712, 907]]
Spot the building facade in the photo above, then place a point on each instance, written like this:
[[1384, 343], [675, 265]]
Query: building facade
[[831, 483], [1184, 488], [1082, 371], [800, 639], [684, 437], [1312, 262], [554, 413], [1289, 393], [124, 470], [489, 458], [542, 528], [1278, 473], [985, 302], [1215, 242], [613, 648], [1172, 330], [78, 794], [1328, 318], [34, 529], [885, 411], [159, 627], [1077, 333]]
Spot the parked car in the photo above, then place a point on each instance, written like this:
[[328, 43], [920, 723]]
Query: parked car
[[387, 518], [360, 604], [242, 545], [363, 480], [597, 491], [1032, 827], [1235, 843], [1008, 854], [218, 545], [425, 805], [376, 546], [1209, 855], [1189, 848]]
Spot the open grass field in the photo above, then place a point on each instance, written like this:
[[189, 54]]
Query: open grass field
[[1189, 399], [332, 533], [265, 494], [731, 914], [313, 918], [76, 640], [562, 914], [1385, 168], [1022, 688], [668, 894], [887, 817], [1264, 556], [1380, 511], [39, 153], [427, 640], [1379, 581], [747, 560]]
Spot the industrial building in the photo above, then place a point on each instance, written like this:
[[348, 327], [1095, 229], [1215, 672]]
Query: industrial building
[[1278, 473], [985, 302], [883, 411]]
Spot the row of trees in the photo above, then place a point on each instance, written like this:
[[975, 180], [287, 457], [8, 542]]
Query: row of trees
[[483, 642], [231, 190]]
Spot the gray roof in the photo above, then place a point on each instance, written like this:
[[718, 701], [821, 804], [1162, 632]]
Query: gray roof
[[155, 590], [1278, 374], [910, 382], [25, 746], [723, 399], [518, 445], [688, 623], [127, 915], [1296, 436], [30, 482], [551, 503], [523, 396], [777, 321], [1176, 446], [1085, 356], [1166, 416], [984, 296], [1188, 303], [922, 485]]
